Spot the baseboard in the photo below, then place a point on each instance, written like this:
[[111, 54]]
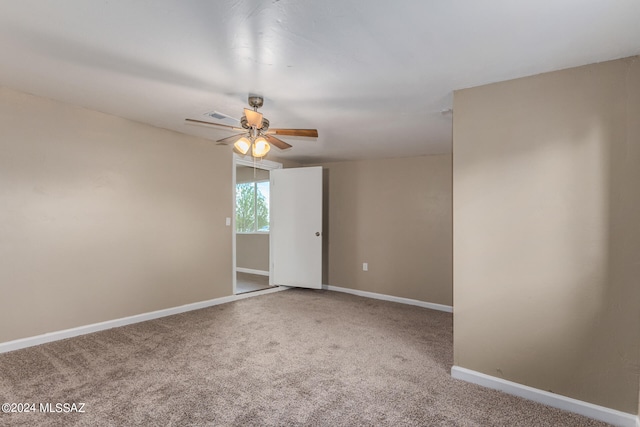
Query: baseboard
[[109, 324], [590, 410], [433, 306], [252, 271]]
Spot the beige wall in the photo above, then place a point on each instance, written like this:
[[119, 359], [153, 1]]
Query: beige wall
[[394, 214], [252, 251], [102, 217], [546, 237]]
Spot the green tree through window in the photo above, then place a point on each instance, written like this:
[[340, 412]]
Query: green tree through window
[[252, 207]]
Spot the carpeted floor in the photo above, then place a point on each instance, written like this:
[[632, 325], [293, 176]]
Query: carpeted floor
[[297, 357]]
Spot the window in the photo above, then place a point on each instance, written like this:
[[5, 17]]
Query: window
[[252, 207]]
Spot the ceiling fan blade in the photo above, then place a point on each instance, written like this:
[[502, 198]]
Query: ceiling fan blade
[[277, 142], [229, 139], [253, 118], [200, 122], [312, 133]]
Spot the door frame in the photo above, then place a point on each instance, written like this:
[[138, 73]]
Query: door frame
[[258, 164]]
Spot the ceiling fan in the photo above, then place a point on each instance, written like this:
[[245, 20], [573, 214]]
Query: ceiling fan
[[256, 134]]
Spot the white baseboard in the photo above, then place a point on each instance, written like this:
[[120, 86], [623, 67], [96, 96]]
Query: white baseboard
[[109, 324], [433, 306], [590, 410], [252, 271]]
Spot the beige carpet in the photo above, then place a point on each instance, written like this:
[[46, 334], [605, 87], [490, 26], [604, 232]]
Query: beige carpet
[[297, 357]]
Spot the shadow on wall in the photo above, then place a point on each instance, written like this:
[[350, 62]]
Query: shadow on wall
[[340, 221], [325, 225]]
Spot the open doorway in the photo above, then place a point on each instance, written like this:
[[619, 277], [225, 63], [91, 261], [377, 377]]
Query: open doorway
[[252, 241]]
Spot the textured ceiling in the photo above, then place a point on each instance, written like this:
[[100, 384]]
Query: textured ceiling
[[374, 77]]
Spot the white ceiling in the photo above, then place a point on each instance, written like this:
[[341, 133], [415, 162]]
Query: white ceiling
[[374, 77]]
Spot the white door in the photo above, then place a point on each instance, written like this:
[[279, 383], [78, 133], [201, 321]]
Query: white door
[[296, 227]]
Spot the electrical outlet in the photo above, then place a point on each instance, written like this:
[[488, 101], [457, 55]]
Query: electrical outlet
[[365, 266]]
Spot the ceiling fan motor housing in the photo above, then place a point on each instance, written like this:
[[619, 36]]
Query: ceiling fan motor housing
[[256, 101]]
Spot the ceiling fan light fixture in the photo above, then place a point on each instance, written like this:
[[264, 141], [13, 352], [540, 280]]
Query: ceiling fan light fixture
[[243, 145], [260, 147]]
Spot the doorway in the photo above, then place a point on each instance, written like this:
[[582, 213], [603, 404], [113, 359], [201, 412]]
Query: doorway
[[251, 228]]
